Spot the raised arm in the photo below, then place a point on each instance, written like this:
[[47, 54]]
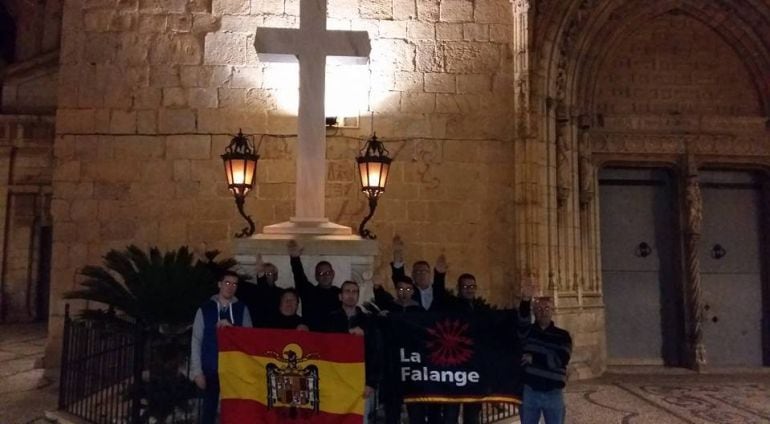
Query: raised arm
[[301, 283], [439, 275], [397, 272], [260, 268], [382, 298], [528, 288]]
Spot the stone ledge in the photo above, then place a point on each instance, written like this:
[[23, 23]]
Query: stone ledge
[[62, 417]]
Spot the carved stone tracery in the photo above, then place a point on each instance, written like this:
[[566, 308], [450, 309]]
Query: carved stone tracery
[[563, 165], [586, 167]]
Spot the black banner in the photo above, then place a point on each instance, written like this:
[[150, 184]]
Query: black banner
[[440, 357]]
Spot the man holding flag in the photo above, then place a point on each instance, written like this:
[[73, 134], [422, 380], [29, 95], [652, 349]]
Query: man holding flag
[[222, 310]]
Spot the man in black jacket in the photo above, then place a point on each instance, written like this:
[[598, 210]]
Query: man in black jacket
[[318, 301], [466, 303], [546, 353], [262, 298], [399, 307], [350, 318], [403, 302], [287, 317]]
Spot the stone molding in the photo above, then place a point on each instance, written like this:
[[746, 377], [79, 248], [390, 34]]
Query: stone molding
[[672, 143]]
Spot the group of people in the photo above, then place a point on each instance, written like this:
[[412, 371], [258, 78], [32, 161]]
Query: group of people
[[330, 308]]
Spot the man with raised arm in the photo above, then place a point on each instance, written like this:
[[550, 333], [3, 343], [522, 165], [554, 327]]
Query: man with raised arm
[[429, 293], [318, 301], [466, 303], [262, 298], [399, 306]]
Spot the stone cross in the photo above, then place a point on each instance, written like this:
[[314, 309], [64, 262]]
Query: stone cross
[[310, 45]]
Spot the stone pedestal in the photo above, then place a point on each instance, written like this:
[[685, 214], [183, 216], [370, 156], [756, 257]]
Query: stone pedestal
[[351, 256]]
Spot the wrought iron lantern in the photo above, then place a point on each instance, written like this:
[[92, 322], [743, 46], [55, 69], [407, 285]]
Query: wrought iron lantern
[[373, 169], [240, 160]]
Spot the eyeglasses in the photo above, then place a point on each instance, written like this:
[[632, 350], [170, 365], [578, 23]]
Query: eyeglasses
[[405, 289], [468, 286], [230, 283], [325, 273], [271, 274]]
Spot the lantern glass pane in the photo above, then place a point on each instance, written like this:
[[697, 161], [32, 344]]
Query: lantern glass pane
[[251, 168], [363, 173], [384, 175], [375, 171], [239, 171], [228, 172]]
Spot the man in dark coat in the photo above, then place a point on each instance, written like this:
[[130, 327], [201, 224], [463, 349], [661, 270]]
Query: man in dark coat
[[351, 319], [318, 301]]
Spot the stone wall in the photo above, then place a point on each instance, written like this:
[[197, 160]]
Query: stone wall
[[673, 68], [150, 91], [25, 162]]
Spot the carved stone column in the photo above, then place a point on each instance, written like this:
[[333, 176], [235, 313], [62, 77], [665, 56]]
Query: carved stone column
[[563, 168], [696, 352], [586, 186], [586, 171]]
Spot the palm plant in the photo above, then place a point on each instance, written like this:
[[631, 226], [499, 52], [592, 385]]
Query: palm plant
[[156, 290]]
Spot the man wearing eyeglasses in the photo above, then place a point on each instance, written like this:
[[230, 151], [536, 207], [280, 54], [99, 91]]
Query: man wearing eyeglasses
[[318, 301], [402, 303], [430, 293], [264, 297], [222, 310], [465, 303]]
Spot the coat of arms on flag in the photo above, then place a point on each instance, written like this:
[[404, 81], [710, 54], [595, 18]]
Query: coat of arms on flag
[[288, 376], [292, 385]]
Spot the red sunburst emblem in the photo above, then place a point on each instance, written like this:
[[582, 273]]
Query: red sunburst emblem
[[448, 343]]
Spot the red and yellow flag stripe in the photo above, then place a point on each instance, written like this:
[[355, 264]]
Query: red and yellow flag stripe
[[244, 354]]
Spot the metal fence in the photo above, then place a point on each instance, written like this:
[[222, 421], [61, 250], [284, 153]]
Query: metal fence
[[116, 374], [494, 412]]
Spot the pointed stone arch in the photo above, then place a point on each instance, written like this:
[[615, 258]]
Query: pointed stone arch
[[747, 38], [570, 41], [567, 35]]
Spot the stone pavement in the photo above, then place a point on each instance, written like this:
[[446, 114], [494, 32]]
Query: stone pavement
[[25, 393], [622, 396], [675, 396]]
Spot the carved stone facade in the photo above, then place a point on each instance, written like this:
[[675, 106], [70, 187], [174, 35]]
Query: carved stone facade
[[658, 83]]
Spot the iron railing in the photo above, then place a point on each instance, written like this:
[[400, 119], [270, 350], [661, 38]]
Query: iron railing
[[494, 412], [108, 371]]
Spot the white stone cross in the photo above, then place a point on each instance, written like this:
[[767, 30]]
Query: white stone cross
[[310, 45]]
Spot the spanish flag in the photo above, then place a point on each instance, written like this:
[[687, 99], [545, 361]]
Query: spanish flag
[[288, 376]]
